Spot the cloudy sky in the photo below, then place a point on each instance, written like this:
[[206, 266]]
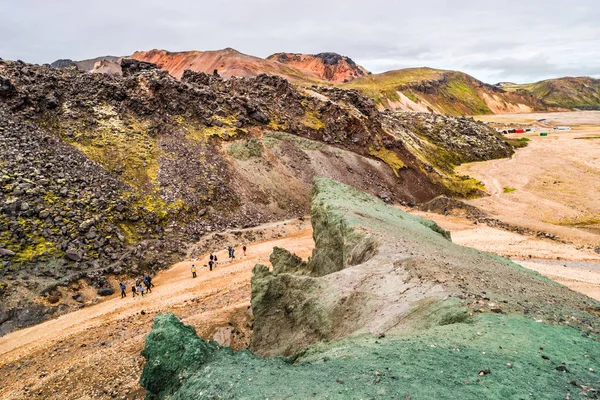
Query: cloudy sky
[[504, 40]]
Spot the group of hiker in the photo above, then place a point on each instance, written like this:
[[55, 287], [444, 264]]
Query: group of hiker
[[213, 260], [140, 287]]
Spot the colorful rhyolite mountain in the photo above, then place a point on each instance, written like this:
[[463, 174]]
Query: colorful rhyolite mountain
[[411, 89]]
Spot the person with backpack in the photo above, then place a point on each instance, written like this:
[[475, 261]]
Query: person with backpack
[[193, 271], [232, 254], [244, 250], [123, 287], [215, 261], [133, 291], [150, 281], [147, 283], [212, 257], [140, 289], [210, 265]]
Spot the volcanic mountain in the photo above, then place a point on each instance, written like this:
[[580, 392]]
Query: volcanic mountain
[[227, 62], [329, 66]]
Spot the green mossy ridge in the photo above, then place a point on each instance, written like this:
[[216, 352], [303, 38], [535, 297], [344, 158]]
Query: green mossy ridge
[[443, 362], [458, 90], [582, 92]]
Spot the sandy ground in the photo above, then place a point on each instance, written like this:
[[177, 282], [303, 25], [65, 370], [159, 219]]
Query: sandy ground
[[555, 179], [95, 352]]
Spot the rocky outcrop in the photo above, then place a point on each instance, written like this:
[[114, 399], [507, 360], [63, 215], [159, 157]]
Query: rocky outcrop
[[328, 66], [385, 324]]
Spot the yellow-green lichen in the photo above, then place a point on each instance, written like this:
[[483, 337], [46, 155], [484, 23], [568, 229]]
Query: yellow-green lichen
[[388, 157], [312, 120]]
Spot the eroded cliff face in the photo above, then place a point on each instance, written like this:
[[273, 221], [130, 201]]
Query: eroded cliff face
[[330, 67], [386, 301]]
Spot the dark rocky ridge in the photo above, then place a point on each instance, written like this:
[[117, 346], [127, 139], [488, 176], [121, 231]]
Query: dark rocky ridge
[[107, 175]]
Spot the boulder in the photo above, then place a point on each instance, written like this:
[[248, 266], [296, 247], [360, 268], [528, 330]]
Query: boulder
[[105, 291], [73, 255], [6, 253]]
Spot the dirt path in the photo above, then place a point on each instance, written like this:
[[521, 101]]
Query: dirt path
[[95, 352]]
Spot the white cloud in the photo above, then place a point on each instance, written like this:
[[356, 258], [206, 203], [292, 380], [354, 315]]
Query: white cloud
[[512, 40]]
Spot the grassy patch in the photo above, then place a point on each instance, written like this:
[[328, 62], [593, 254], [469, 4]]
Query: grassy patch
[[464, 186], [271, 139], [509, 190], [245, 149], [518, 143]]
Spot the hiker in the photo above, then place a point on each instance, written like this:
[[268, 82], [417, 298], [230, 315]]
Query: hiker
[[150, 281], [229, 252], [123, 287], [193, 271], [133, 291], [215, 260], [232, 253], [446, 211], [212, 257], [210, 265], [140, 289], [147, 283], [244, 250]]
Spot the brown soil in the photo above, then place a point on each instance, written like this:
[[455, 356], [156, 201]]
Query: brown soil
[[95, 352]]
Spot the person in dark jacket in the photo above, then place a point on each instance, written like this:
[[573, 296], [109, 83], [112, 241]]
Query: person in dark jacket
[[123, 287], [133, 291], [147, 283]]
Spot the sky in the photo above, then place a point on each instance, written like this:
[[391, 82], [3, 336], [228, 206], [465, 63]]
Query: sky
[[495, 41]]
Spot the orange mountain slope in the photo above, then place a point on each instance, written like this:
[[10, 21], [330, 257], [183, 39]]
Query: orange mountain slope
[[328, 66], [228, 62]]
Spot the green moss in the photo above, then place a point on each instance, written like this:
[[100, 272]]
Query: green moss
[[509, 190], [411, 95], [129, 232], [272, 139], [122, 145], [50, 197], [245, 149], [312, 120], [389, 157], [463, 187], [517, 143], [40, 248]]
